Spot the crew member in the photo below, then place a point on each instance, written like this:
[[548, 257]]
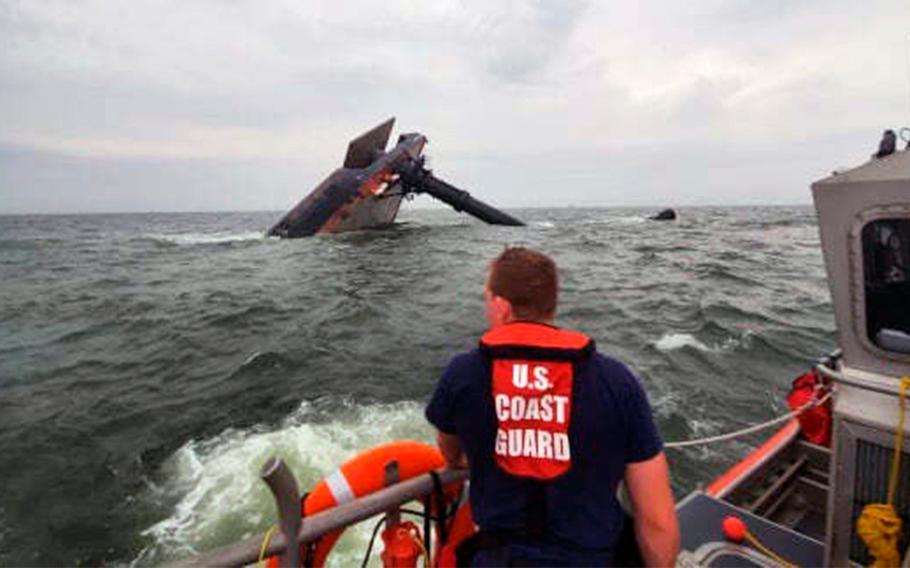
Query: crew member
[[549, 427]]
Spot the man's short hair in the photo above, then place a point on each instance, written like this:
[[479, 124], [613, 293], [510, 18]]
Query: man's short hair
[[527, 279]]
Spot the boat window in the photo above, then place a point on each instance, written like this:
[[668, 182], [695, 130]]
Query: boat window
[[886, 262]]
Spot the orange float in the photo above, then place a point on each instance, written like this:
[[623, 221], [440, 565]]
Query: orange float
[[361, 475]]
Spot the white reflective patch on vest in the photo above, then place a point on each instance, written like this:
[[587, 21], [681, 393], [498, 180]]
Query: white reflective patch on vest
[[340, 488]]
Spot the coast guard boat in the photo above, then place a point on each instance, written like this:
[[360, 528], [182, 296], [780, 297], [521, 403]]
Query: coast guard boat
[[831, 487]]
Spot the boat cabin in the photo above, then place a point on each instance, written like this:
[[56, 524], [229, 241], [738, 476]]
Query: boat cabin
[[864, 221]]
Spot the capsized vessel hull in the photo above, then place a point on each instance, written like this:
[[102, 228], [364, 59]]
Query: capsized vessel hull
[[366, 192]]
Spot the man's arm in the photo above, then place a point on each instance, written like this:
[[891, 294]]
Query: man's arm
[[656, 527], [451, 450]]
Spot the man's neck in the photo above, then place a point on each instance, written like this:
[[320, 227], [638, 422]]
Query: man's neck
[[549, 322]]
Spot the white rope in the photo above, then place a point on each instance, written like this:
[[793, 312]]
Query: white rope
[[750, 429]]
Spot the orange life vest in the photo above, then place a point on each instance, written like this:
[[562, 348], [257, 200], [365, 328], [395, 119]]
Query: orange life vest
[[532, 375]]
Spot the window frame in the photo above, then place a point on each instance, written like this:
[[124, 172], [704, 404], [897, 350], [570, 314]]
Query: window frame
[[858, 276]]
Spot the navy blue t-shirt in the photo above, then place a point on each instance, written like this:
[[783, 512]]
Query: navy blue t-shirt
[[611, 426]]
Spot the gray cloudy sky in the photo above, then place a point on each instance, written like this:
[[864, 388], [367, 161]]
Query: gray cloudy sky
[[229, 105]]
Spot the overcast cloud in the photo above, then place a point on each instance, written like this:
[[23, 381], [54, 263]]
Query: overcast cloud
[[227, 105]]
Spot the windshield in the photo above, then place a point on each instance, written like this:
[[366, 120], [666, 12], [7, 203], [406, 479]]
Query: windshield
[[886, 262]]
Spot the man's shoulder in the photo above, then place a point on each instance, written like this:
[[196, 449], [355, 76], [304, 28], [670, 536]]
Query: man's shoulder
[[614, 375], [468, 362], [466, 358], [612, 367]]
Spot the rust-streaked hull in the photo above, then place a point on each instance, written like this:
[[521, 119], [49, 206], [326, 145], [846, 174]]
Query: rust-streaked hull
[[369, 212]]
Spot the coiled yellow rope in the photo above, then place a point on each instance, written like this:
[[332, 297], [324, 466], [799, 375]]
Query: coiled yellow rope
[[878, 525]]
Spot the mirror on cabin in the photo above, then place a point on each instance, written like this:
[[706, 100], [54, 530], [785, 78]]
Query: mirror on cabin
[[886, 262]]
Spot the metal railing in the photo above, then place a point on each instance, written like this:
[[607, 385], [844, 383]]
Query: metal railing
[[839, 378], [302, 531]]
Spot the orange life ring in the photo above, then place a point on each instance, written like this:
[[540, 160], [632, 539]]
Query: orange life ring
[[361, 475]]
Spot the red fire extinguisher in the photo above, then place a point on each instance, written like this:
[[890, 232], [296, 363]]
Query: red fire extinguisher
[[402, 546]]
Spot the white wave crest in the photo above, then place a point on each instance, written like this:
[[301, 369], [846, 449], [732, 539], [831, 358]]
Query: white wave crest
[[251, 358], [628, 220], [207, 238], [702, 428], [671, 341], [220, 498], [545, 224], [666, 404], [674, 341]]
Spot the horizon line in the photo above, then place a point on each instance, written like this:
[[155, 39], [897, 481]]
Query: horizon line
[[440, 208]]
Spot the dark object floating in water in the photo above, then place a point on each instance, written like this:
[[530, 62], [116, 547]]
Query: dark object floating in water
[[367, 190], [665, 215]]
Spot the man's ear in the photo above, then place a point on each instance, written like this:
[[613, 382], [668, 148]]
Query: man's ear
[[503, 308]]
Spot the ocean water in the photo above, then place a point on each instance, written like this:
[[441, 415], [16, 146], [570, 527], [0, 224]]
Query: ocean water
[[150, 363]]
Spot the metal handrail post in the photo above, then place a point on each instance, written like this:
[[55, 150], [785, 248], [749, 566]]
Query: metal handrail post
[[287, 497]]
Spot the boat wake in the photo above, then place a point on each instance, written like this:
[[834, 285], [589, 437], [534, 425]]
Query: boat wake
[[211, 492]]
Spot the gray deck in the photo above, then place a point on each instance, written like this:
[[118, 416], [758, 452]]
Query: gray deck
[[700, 518]]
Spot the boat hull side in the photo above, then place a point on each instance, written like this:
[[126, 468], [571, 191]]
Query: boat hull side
[[368, 212], [734, 476]]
